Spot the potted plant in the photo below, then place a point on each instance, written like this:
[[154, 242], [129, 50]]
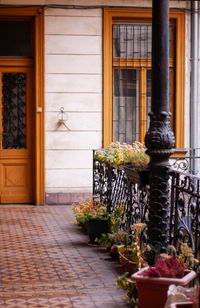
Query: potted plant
[[125, 283], [113, 241], [117, 154], [136, 165], [93, 215], [153, 282], [131, 256]]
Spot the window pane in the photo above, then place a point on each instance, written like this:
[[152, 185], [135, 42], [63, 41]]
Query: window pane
[[132, 40], [172, 99], [135, 40], [132, 43], [15, 38], [148, 97], [126, 108], [14, 110]]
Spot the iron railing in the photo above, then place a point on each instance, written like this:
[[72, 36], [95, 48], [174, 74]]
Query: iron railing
[[185, 210], [112, 186], [189, 162]]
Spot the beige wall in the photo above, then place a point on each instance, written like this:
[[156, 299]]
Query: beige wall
[[73, 80]]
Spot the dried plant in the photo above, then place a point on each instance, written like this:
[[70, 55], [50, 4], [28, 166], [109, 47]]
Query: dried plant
[[124, 283], [187, 256], [120, 154], [119, 237], [87, 210]]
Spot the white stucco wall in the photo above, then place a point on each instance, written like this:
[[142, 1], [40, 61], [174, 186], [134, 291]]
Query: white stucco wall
[[73, 80]]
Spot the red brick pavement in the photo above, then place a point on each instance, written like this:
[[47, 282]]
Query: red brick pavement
[[45, 262]]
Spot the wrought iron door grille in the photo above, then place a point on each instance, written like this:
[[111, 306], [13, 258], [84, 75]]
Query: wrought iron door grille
[[14, 111]]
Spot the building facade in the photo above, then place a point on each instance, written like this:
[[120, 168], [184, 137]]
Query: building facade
[[76, 75]]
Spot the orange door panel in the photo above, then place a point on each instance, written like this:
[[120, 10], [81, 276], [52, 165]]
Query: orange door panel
[[16, 135]]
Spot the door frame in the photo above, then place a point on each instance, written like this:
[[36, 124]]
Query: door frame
[[38, 14]]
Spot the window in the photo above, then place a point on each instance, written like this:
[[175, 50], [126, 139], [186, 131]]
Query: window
[[15, 39], [127, 74]]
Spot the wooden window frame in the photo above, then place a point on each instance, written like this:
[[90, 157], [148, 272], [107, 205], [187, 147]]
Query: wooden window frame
[[119, 15], [38, 14]]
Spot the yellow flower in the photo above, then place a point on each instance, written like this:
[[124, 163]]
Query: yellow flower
[[186, 250]]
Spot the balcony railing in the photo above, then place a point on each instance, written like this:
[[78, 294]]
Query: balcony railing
[[189, 163], [112, 186]]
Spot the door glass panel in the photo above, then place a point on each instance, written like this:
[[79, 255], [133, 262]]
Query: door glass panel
[[14, 110], [126, 108], [15, 38]]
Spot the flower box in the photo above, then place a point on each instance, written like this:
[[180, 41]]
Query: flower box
[[152, 291], [138, 177]]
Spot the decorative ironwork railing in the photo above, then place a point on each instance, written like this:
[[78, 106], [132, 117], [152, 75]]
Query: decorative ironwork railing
[[185, 210], [189, 163], [112, 186]]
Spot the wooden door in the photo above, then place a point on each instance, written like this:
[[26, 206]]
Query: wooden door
[[16, 134]]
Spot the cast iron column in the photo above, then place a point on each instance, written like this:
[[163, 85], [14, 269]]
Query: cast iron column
[[159, 139]]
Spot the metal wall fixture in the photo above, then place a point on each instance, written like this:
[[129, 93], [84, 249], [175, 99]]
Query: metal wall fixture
[[62, 118]]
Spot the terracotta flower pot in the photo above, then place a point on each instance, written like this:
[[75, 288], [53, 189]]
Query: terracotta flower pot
[[152, 291], [128, 265], [114, 252]]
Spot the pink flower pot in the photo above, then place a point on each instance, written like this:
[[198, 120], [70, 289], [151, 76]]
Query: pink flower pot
[[152, 291], [182, 305]]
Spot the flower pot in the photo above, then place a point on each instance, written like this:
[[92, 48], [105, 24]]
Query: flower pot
[[138, 177], [152, 291], [96, 227], [182, 305], [128, 265], [114, 252], [83, 226]]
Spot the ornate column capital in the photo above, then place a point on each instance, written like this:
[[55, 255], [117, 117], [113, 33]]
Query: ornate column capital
[[159, 139]]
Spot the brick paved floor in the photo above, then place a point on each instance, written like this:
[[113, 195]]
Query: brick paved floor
[[45, 262]]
